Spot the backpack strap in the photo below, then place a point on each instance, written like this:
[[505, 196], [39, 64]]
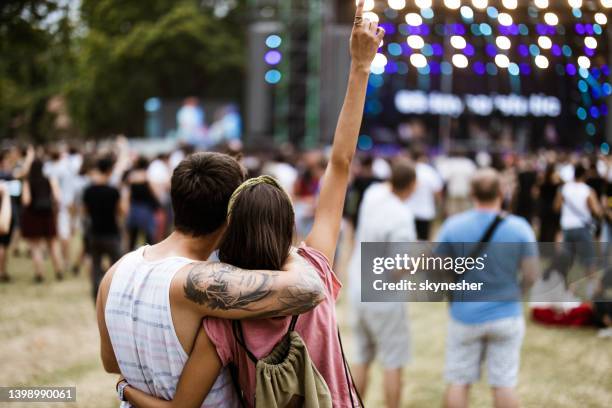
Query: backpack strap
[[349, 376], [233, 368], [293, 323], [239, 336]]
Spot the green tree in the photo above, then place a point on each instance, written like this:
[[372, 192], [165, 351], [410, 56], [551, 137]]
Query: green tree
[[134, 50], [35, 60]]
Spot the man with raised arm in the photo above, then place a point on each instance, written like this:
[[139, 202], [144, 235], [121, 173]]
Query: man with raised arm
[[151, 303]]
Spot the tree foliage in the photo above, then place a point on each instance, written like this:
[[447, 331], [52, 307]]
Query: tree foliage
[[35, 49], [114, 57]]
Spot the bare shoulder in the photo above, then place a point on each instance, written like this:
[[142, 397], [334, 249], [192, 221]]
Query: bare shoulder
[[107, 279]]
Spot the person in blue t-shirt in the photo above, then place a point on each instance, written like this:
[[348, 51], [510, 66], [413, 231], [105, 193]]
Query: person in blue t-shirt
[[488, 324]]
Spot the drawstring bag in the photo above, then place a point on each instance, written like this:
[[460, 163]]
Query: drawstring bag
[[286, 377]]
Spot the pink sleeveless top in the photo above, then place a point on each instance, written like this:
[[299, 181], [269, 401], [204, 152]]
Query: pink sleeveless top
[[318, 329]]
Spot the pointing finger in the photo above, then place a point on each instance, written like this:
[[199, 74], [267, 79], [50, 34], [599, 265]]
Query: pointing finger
[[360, 5]]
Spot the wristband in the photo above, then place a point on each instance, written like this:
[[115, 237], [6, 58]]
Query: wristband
[[121, 389]]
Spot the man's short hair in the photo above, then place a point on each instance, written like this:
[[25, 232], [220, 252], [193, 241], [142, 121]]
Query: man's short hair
[[403, 173], [579, 171], [486, 185], [201, 187], [105, 164]]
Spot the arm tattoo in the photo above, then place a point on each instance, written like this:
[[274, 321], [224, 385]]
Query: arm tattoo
[[301, 297], [224, 287], [220, 286]]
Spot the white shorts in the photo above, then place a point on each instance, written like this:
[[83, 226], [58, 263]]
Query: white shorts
[[382, 330], [498, 342]]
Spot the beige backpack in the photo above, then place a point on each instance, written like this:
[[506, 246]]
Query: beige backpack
[[287, 377]]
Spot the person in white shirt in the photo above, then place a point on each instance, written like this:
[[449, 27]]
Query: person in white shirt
[[381, 329], [422, 202], [61, 169], [457, 172], [579, 205]]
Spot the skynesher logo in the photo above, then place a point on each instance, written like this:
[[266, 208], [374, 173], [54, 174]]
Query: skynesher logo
[[423, 263]]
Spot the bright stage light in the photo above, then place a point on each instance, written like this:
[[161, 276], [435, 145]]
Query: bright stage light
[[371, 16], [415, 42], [379, 61], [467, 13], [502, 61], [368, 5], [545, 42], [606, 3], [274, 41], [414, 19], [273, 57], [452, 4], [480, 4], [541, 3], [575, 3], [509, 4], [551, 19], [584, 62], [423, 4], [503, 42], [601, 19], [418, 60], [504, 19], [397, 4], [460, 61], [514, 69], [458, 42], [273, 76], [541, 62], [590, 42]]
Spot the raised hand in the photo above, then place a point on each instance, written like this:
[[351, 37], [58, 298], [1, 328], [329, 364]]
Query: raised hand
[[365, 39]]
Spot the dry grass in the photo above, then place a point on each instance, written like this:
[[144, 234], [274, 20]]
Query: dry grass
[[48, 336]]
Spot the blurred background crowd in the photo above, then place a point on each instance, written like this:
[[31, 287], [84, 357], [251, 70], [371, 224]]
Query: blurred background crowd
[[521, 86]]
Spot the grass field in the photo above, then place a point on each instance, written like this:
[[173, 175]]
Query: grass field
[[48, 336]]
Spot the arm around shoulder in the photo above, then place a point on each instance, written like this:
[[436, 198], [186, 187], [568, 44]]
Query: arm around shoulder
[[225, 291]]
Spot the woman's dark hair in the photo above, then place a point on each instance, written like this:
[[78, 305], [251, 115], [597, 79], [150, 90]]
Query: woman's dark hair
[[36, 174], [260, 228], [39, 184]]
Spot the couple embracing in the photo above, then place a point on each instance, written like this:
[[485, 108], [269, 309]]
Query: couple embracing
[[184, 332]]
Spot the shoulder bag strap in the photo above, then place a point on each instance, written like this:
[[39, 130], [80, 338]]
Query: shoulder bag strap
[[349, 376], [486, 238]]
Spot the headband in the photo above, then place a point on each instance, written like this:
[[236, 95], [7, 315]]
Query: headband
[[252, 182]]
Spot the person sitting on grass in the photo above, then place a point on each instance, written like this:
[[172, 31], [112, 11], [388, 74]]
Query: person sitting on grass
[[259, 235]]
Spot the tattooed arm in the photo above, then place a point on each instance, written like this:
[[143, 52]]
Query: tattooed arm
[[221, 290]]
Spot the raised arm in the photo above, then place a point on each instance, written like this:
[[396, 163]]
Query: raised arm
[[225, 291], [365, 40]]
